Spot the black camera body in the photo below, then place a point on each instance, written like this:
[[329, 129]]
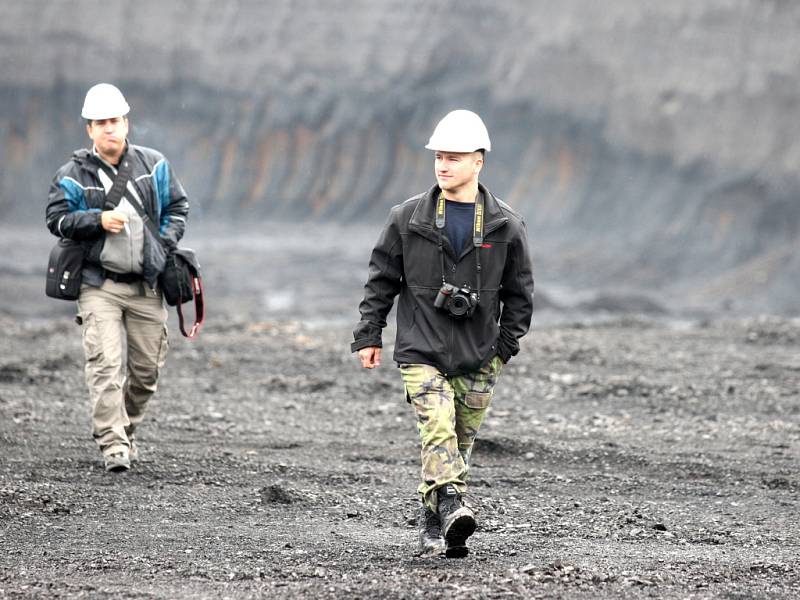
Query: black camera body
[[458, 302]]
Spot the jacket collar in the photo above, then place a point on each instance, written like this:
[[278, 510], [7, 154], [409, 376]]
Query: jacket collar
[[103, 161], [92, 160], [422, 220]]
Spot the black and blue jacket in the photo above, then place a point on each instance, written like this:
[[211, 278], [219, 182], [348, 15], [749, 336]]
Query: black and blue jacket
[[77, 197]]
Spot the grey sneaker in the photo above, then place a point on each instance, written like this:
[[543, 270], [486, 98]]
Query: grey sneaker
[[117, 461], [431, 542], [458, 522]]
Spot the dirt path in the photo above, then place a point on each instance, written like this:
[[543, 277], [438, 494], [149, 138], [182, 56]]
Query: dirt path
[[620, 461]]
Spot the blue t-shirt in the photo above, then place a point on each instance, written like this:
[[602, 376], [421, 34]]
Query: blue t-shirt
[[459, 218]]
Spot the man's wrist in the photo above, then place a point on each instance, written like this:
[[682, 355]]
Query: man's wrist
[[360, 344]]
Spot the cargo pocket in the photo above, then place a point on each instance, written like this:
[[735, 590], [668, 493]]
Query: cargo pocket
[[478, 400], [163, 347], [92, 346]]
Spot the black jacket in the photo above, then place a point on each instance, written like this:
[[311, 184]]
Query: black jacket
[[77, 197], [406, 261]]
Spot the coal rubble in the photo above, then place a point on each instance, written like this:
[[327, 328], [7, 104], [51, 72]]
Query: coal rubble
[[617, 461]]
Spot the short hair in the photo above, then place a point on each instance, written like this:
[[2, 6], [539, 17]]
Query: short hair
[[90, 121]]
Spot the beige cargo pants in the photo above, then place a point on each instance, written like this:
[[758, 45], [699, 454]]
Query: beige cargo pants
[[121, 320]]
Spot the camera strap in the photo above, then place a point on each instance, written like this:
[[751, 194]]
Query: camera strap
[[477, 236]]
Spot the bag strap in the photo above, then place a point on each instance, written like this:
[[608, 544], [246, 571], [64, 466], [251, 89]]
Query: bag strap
[[199, 308], [114, 195]]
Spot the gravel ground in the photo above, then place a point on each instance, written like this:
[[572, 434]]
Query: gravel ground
[[630, 459]]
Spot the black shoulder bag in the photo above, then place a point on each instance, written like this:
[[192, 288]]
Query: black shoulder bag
[[64, 270], [181, 281], [65, 264]]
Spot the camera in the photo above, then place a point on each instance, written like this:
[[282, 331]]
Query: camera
[[458, 302]]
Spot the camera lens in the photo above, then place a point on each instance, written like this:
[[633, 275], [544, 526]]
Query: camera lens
[[459, 305]]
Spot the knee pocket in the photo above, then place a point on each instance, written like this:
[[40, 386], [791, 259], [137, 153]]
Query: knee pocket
[[477, 400]]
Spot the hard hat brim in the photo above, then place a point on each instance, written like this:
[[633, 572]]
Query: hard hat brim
[[98, 116], [460, 149]]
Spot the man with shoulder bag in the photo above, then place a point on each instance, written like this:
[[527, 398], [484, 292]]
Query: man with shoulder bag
[[125, 208]]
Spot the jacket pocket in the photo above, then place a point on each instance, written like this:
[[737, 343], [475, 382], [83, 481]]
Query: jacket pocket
[[413, 320]]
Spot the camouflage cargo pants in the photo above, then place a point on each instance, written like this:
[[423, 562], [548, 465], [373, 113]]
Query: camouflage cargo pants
[[450, 411]]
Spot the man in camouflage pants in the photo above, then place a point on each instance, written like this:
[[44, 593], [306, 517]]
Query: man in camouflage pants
[[457, 258]]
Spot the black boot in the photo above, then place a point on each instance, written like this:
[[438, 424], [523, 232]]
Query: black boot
[[431, 542], [458, 522]]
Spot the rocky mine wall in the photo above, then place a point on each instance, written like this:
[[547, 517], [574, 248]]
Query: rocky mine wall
[[649, 144]]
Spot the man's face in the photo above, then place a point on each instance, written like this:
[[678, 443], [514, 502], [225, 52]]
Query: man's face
[[109, 136], [454, 170]]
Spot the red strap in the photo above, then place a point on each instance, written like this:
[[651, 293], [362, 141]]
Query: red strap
[[199, 310]]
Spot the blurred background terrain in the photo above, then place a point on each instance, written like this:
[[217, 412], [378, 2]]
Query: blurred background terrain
[[644, 443], [653, 147]]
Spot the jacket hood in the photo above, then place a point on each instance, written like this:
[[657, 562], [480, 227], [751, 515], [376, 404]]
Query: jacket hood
[[81, 156], [85, 157]]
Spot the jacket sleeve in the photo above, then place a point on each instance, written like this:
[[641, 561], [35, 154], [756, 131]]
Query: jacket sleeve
[[383, 284], [68, 215], [516, 296], [174, 206]]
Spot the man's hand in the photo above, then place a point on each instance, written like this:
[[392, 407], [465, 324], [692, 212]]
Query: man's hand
[[370, 357], [113, 220]]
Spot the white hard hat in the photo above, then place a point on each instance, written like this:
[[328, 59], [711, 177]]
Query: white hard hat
[[104, 101], [460, 131]]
